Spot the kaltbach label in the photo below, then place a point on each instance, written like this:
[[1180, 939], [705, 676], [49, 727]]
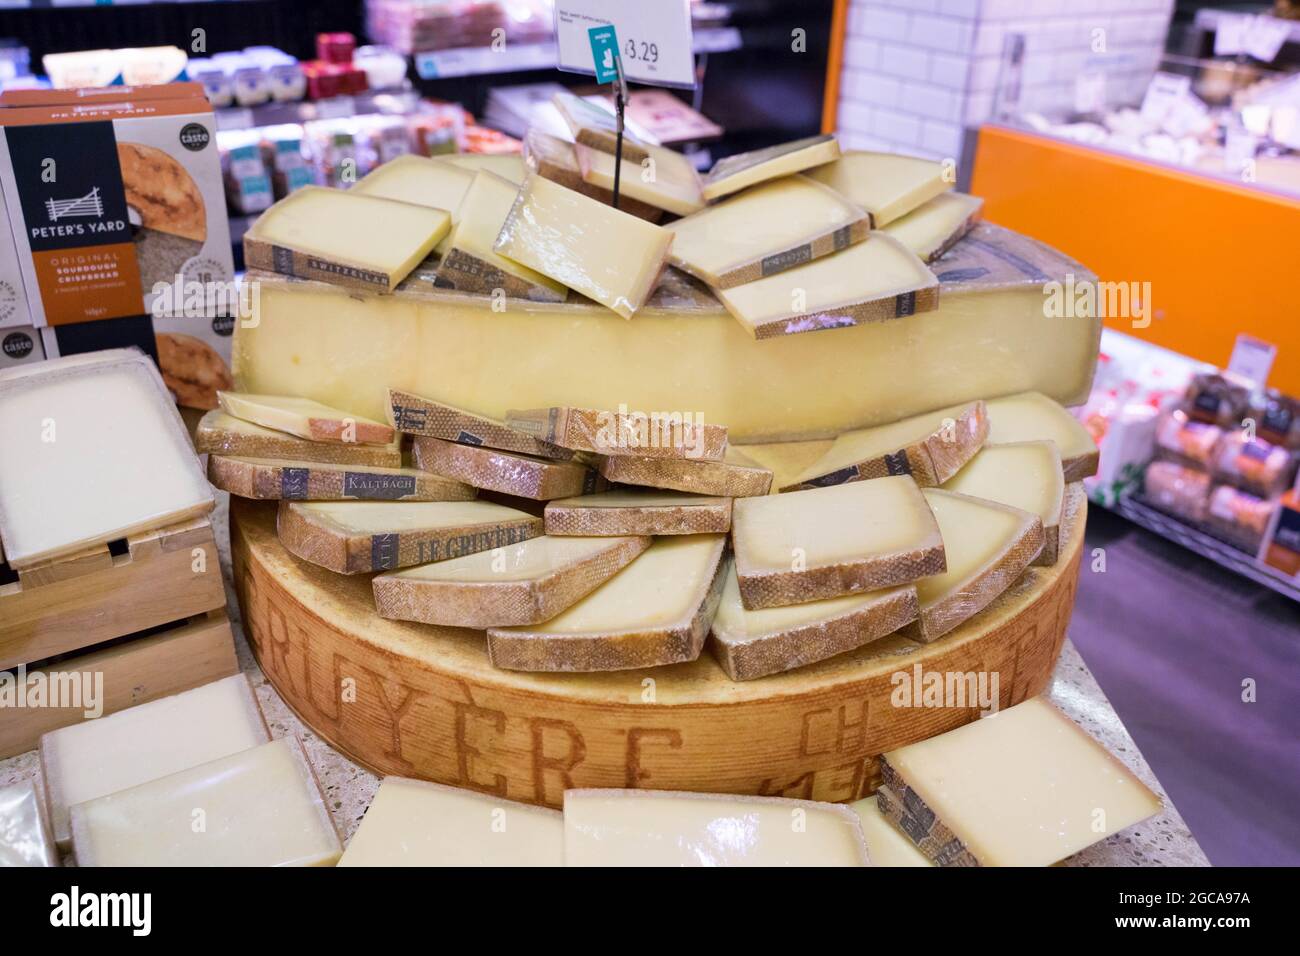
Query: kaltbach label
[[465, 438], [905, 304], [359, 484], [293, 483]]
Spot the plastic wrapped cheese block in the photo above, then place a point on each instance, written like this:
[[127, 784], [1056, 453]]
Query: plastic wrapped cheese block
[[665, 179], [1032, 416], [94, 450], [596, 127], [24, 834], [221, 434], [886, 185], [274, 479], [1024, 475], [734, 173], [557, 160], [932, 229], [305, 418], [638, 511]]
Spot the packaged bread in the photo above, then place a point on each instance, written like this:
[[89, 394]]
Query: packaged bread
[[1180, 490]]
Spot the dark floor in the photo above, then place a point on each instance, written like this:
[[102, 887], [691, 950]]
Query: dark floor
[[1171, 638]]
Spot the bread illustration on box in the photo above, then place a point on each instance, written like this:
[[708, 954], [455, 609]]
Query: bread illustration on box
[[168, 215], [193, 370]]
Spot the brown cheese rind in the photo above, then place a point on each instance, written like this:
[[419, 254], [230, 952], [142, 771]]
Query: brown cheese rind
[[555, 159], [815, 247], [506, 472], [414, 415], [923, 299], [706, 516], [642, 435], [736, 477], [215, 436], [904, 808], [761, 589], [272, 480], [1081, 466], [466, 272]]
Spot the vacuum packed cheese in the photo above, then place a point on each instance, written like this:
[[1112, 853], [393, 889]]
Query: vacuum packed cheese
[[145, 742], [871, 281], [525, 583], [472, 264], [524, 476], [557, 160], [638, 511], [823, 543], [932, 229], [352, 537], [736, 476], [930, 448], [273, 479], [1024, 475], [750, 644], [988, 546], [420, 180], [601, 252], [664, 179], [1023, 787], [313, 234], [657, 828], [417, 823], [886, 843], [1035, 417], [221, 434], [305, 418], [886, 185], [990, 336], [623, 432], [24, 833], [509, 166], [414, 415], [655, 611], [734, 173], [765, 230], [258, 807], [595, 127], [93, 450]]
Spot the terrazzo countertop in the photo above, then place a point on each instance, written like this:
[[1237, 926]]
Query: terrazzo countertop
[[1164, 840]]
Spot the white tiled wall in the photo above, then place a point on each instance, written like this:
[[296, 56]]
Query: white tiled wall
[[916, 72]]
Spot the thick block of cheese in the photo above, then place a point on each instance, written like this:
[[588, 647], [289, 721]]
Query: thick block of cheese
[[932, 229], [603, 253], [737, 476], [557, 160], [810, 545], [471, 263], [655, 611], [24, 834], [930, 448], [524, 476], [988, 547], [509, 166], [345, 238], [258, 807], [635, 433], [419, 180], [417, 823], [305, 418], [526, 583], [658, 828], [221, 434], [145, 742], [734, 173], [1024, 475], [886, 185], [352, 537], [872, 281], [595, 127], [750, 644], [768, 229], [664, 179], [1024, 787], [886, 843], [93, 450], [272, 479], [414, 415], [989, 337], [638, 511], [1033, 416]]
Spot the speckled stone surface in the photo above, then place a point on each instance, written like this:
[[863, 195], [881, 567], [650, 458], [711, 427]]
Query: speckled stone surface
[[1162, 841]]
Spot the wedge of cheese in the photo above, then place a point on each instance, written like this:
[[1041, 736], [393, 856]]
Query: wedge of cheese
[[988, 546], [526, 583], [420, 180], [510, 473], [639, 434], [603, 253], [655, 611], [271, 480], [221, 434], [664, 179], [1024, 475], [312, 233], [657, 828], [352, 537], [886, 843], [750, 644], [414, 415], [932, 229], [1024, 787], [736, 476], [305, 418], [557, 160], [472, 264], [417, 823], [827, 542], [257, 807], [871, 281], [509, 166], [1032, 416], [765, 230], [930, 447], [145, 742], [886, 185], [734, 173], [638, 511], [24, 833], [787, 460], [596, 127]]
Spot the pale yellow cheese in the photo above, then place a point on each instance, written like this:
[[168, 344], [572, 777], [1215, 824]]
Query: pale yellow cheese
[[1036, 417], [886, 185], [305, 418], [24, 835], [1024, 475], [734, 173], [1024, 787], [647, 828], [223, 434], [593, 126], [420, 180], [886, 844], [599, 251], [258, 807], [509, 166], [417, 823], [665, 179], [375, 517], [931, 229]]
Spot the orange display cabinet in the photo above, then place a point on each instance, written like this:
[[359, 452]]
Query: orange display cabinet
[[1220, 256]]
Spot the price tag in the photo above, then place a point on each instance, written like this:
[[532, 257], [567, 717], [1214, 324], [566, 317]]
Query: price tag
[[1252, 359], [654, 39]]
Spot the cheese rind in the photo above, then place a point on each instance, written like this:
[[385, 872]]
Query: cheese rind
[[1024, 475], [24, 834], [657, 828], [734, 173], [595, 127], [886, 843], [272, 479], [305, 418], [557, 160], [826, 542], [221, 434], [637, 511], [639, 434], [526, 583], [655, 611], [1032, 416], [932, 229], [507, 472], [664, 179], [886, 185], [261, 807], [413, 415], [417, 823], [735, 477]]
